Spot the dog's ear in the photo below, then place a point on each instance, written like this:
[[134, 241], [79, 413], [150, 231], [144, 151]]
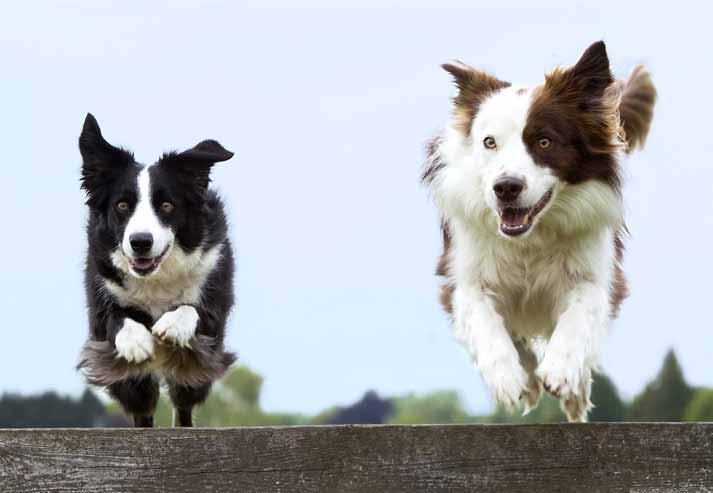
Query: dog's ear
[[592, 72], [473, 87], [589, 77], [206, 153], [195, 163], [101, 161]]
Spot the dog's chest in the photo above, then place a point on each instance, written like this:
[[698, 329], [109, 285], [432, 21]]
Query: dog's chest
[[179, 282], [158, 298], [530, 285]]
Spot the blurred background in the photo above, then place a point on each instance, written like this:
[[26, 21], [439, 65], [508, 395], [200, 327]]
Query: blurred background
[[327, 106]]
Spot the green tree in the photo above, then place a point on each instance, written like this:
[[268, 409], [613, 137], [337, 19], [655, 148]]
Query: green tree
[[436, 407], [665, 398], [701, 406], [234, 401], [608, 406], [547, 411], [51, 410]]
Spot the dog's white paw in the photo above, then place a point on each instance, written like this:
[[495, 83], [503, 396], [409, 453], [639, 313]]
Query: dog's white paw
[[177, 326], [505, 377], [563, 373], [566, 376], [134, 342]]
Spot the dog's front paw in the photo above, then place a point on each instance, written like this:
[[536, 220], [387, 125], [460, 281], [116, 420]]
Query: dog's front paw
[[178, 326], [505, 377], [134, 342], [566, 376], [561, 373]]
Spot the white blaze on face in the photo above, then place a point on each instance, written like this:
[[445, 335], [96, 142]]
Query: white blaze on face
[[145, 220], [503, 116]]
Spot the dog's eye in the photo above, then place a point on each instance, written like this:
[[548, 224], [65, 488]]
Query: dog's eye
[[167, 207], [122, 206], [544, 142], [489, 142]]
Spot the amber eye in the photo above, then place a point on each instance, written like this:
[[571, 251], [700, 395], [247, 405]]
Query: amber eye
[[544, 142], [489, 142], [122, 206], [167, 207]]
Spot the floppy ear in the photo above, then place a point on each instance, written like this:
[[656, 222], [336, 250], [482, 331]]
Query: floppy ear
[[195, 163], [101, 161], [207, 153], [473, 87]]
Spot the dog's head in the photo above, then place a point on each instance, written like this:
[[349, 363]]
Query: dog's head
[[146, 212], [510, 151]]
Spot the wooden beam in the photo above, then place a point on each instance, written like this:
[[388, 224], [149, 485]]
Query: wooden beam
[[595, 457]]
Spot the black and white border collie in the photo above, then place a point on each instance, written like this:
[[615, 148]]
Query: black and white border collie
[[158, 278], [528, 185]]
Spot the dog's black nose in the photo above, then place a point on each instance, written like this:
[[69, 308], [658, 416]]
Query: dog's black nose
[[508, 189], [141, 242]]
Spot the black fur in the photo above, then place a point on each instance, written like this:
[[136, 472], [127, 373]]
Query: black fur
[[109, 176]]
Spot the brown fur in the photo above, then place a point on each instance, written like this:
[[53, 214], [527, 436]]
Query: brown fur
[[620, 286], [636, 109], [442, 269], [473, 87], [582, 125], [588, 117]]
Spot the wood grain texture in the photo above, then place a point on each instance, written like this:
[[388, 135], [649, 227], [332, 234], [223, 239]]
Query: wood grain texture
[[594, 457]]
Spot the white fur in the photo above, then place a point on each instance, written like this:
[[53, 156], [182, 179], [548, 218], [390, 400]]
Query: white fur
[[552, 283], [468, 179], [145, 220], [177, 326], [178, 280], [134, 342]]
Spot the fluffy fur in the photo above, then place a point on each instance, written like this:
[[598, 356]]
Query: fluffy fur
[[158, 277], [528, 184]]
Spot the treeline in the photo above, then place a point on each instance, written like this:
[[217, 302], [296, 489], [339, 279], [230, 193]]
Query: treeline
[[50, 410], [235, 401]]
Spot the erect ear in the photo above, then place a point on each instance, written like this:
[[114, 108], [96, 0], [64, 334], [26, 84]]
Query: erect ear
[[592, 70], [473, 87], [101, 161], [196, 163], [589, 77]]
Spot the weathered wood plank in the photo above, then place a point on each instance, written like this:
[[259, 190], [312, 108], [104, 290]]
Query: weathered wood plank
[[596, 457]]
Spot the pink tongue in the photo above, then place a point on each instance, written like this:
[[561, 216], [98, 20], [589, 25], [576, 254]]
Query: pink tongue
[[513, 217], [143, 263]]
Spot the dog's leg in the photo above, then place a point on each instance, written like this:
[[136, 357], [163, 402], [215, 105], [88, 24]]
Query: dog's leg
[[482, 330], [177, 326], [134, 342], [184, 398], [138, 397], [528, 360], [573, 349]]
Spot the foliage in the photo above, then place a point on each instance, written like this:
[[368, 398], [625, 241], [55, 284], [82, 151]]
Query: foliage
[[700, 408], [435, 407], [235, 401], [608, 406], [50, 410], [665, 398], [370, 409]]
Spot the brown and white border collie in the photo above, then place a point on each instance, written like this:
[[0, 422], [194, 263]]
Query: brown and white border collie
[[528, 184]]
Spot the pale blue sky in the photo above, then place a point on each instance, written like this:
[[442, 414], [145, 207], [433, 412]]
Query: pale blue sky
[[327, 109]]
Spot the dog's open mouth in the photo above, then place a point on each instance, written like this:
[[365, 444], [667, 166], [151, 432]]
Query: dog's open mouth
[[144, 266], [515, 221]]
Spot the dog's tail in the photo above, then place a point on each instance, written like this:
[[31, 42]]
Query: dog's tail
[[636, 107]]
